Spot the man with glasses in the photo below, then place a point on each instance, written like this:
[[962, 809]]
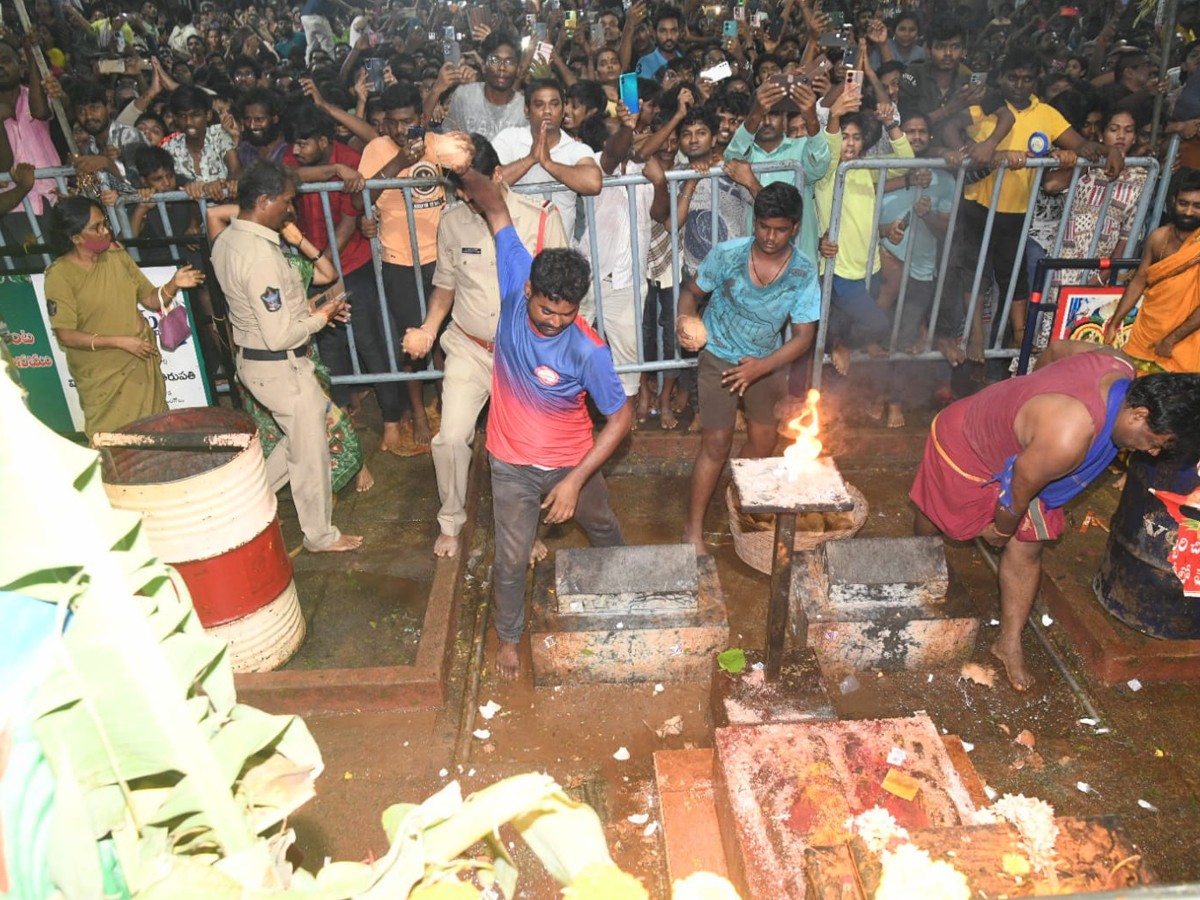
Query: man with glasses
[[489, 107]]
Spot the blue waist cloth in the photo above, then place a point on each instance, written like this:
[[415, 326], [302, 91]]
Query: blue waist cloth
[[1102, 452]]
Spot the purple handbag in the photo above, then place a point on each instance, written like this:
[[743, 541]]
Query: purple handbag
[[173, 327]]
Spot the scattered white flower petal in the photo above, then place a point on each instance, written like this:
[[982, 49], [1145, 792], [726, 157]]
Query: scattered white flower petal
[[620, 625], [757, 667], [482, 733], [471, 773], [968, 746], [994, 622], [1146, 805], [639, 818], [1047, 621], [1102, 731], [650, 829], [658, 689], [1084, 787], [1134, 684], [929, 678], [621, 755], [489, 709], [443, 773], [896, 756], [1088, 722], [990, 791]]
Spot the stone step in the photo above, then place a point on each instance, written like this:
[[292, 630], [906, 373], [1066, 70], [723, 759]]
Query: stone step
[[623, 580]]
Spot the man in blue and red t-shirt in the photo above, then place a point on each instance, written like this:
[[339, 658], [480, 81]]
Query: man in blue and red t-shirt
[[539, 434], [321, 158]]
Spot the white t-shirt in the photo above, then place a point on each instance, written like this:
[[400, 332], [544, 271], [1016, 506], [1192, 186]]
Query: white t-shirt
[[515, 143]]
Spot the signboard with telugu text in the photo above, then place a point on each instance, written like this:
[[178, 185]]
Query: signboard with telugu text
[[43, 364]]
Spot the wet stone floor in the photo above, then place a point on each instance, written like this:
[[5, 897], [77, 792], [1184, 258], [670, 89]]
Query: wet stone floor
[[366, 608]]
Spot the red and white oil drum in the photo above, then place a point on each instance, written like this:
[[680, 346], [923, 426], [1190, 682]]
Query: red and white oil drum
[[211, 514]]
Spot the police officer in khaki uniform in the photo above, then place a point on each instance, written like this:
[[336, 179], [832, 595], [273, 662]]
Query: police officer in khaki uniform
[[466, 280], [272, 323]]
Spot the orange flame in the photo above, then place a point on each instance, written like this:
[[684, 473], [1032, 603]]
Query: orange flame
[[807, 446]]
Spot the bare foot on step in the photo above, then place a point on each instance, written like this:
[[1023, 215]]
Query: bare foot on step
[[1014, 667], [841, 358], [696, 541], [952, 351], [508, 661], [538, 551], [422, 434], [895, 415], [446, 546], [343, 544]]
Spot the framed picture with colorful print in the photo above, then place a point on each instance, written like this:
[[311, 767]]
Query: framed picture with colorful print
[[1083, 310]]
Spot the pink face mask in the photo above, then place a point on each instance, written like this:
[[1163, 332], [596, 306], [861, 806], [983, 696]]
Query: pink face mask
[[97, 243]]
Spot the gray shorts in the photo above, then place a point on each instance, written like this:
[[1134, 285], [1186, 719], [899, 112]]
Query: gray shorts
[[718, 407]]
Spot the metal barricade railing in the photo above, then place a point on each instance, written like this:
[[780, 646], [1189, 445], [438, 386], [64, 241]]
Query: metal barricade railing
[[946, 247], [1150, 204]]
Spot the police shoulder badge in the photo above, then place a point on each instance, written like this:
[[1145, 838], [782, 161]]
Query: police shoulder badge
[[272, 299]]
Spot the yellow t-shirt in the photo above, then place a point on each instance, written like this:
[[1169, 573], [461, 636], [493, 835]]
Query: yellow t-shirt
[[1017, 188], [428, 202]]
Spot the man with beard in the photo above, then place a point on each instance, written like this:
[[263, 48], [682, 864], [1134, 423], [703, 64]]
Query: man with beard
[[762, 137], [539, 151], [539, 436], [490, 106], [1166, 332], [757, 285], [26, 114], [668, 22], [109, 142], [262, 138]]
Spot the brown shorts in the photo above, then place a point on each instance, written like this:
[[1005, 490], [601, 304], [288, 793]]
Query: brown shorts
[[718, 407]]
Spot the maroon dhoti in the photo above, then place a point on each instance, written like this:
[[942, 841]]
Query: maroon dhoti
[[956, 491]]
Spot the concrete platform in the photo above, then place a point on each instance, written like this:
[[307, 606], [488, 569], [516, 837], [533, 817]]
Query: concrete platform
[[1113, 652], [627, 649], [780, 789], [622, 580], [749, 699], [862, 614]]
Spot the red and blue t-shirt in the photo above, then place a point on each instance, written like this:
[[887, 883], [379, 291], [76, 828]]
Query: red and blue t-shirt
[[538, 416]]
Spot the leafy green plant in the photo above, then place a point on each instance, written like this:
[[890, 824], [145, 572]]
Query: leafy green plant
[[151, 750]]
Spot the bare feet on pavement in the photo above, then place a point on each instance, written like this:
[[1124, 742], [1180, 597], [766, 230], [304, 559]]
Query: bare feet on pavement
[[391, 437], [422, 434], [1014, 667], [538, 551], [950, 349], [508, 661], [668, 421], [895, 415], [364, 480], [343, 544], [841, 358], [446, 546]]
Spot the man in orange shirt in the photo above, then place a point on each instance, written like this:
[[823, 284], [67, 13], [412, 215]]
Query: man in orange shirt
[[406, 151], [1166, 332]]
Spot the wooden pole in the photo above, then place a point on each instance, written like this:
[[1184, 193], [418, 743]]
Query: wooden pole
[[1168, 39], [44, 72]]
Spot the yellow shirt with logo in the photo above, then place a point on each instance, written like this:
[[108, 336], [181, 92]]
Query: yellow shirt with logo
[[1017, 188]]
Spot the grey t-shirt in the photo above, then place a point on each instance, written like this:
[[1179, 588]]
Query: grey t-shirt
[[471, 112]]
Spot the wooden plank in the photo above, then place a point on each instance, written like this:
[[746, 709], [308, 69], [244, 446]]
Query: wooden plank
[[691, 833]]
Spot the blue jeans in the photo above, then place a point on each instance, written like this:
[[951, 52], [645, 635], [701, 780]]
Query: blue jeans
[[854, 317], [517, 494]]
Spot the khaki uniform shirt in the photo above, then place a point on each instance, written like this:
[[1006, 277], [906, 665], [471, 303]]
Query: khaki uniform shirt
[[466, 257], [267, 305]]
